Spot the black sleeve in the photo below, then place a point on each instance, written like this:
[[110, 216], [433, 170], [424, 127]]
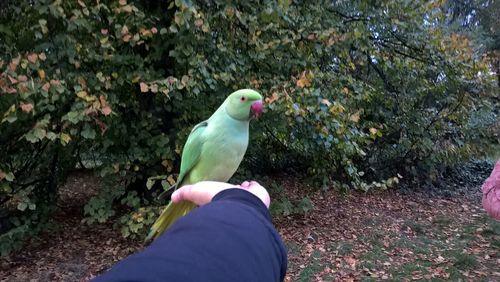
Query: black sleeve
[[230, 239]]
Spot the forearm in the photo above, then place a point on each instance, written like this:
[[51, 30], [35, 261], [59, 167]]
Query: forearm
[[230, 239]]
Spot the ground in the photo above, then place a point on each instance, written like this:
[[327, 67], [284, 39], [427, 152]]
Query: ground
[[390, 235]]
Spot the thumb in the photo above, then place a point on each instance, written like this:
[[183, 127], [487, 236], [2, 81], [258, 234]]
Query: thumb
[[191, 193], [200, 193]]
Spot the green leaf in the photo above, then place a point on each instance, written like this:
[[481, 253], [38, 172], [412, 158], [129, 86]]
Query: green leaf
[[51, 136], [30, 136], [73, 117], [39, 133], [9, 176], [88, 132], [149, 183], [22, 206]]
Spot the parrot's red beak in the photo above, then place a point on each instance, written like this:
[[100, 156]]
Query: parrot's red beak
[[256, 109]]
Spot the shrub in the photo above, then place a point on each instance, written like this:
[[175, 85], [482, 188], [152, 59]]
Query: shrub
[[356, 93]]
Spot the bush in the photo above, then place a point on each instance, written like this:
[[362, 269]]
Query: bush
[[356, 93]]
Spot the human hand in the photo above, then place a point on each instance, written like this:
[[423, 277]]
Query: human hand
[[258, 190], [201, 193]]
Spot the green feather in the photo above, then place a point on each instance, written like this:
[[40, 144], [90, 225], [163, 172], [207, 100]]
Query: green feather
[[213, 151]]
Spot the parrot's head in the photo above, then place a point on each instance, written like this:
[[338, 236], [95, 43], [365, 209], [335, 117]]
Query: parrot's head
[[244, 104]]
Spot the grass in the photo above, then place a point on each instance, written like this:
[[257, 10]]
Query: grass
[[439, 250], [494, 154], [416, 227], [343, 248], [409, 270], [441, 221], [492, 229], [292, 247], [308, 273], [310, 270], [465, 261], [374, 258]]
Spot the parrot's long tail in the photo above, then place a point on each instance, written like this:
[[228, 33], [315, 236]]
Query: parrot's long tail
[[168, 216]]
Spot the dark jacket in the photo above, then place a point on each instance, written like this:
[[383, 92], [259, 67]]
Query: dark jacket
[[230, 239]]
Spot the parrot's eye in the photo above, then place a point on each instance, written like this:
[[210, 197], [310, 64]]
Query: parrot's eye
[[243, 98]]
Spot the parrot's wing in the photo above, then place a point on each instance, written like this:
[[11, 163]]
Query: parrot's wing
[[192, 150], [190, 155]]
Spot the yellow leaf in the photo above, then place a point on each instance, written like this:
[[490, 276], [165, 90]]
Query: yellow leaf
[[81, 94], [22, 88], [123, 2], [102, 99], [230, 12], [373, 131], [11, 109], [124, 30], [127, 9], [167, 164], [41, 74], [337, 108], [271, 99], [171, 179], [65, 138], [326, 102], [304, 80], [354, 117], [184, 79], [136, 79]]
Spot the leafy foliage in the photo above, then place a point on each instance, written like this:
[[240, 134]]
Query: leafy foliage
[[356, 93]]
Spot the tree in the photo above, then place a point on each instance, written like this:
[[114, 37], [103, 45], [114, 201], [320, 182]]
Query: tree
[[357, 92]]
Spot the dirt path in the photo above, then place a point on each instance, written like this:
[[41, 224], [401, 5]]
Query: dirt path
[[390, 236], [359, 237], [69, 250]]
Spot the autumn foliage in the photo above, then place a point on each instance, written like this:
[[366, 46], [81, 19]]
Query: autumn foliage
[[357, 95]]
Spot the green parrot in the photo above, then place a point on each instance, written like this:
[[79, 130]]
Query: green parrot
[[213, 151]]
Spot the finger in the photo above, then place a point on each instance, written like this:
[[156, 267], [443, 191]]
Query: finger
[[254, 184], [179, 195], [193, 193], [245, 184], [261, 193], [200, 193]]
